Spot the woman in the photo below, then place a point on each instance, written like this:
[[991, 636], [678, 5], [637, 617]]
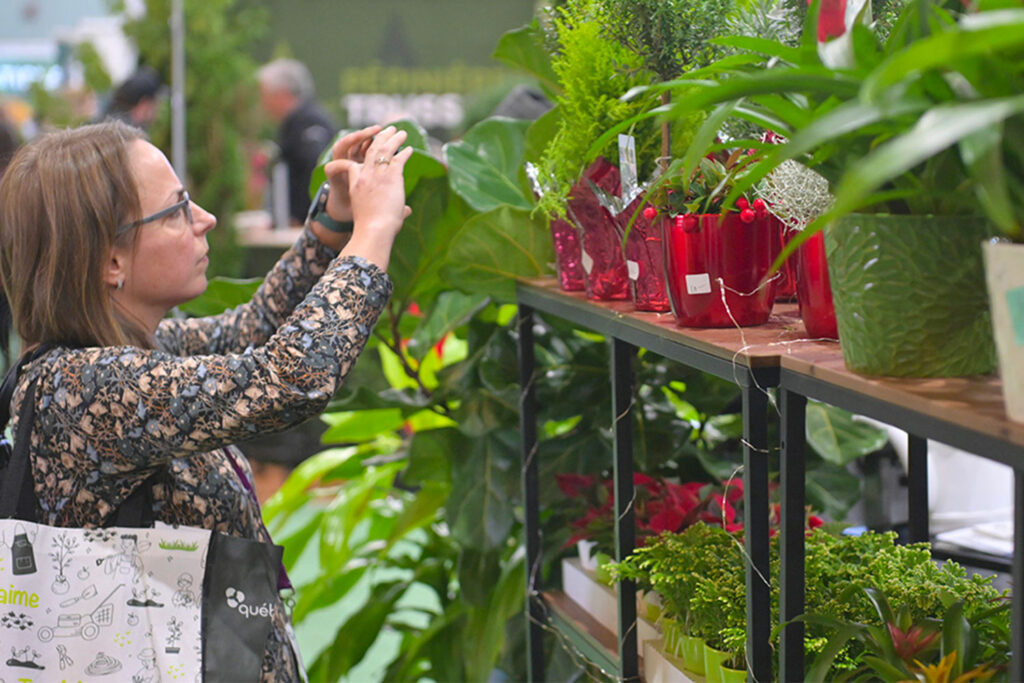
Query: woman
[[99, 240]]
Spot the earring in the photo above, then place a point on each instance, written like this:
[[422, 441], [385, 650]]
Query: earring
[[120, 283]]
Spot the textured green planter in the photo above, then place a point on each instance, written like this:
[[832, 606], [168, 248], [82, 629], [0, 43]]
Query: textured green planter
[[713, 663], [692, 649], [909, 293]]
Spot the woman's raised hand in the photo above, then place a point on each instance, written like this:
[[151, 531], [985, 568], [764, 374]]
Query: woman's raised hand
[[366, 174]]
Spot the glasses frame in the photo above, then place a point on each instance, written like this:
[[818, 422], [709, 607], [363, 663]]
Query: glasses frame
[[186, 203]]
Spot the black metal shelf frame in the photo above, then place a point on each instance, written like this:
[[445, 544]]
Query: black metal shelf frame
[[794, 390], [625, 335]]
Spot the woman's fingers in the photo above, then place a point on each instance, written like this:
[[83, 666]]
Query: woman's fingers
[[354, 145]]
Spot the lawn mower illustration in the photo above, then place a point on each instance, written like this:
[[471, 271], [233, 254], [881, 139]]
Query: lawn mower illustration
[[86, 626]]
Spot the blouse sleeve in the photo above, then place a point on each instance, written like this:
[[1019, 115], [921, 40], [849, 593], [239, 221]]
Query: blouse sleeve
[[252, 323], [118, 410]]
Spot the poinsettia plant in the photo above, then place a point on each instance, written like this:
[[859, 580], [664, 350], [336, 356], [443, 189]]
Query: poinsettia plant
[[659, 505]]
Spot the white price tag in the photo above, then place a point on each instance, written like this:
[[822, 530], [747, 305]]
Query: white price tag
[[588, 263], [698, 284], [634, 270], [627, 167]]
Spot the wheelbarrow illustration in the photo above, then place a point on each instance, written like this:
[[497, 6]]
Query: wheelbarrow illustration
[[86, 626]]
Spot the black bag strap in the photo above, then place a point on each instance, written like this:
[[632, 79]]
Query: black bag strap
[[17, 489], [17, 494]]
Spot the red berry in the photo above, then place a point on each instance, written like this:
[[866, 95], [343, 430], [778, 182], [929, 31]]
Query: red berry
[[741, 203], [747, 215], [689, 221], [650, 212], [759, 205]]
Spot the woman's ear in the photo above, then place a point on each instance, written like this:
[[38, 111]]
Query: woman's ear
[[115, 273]]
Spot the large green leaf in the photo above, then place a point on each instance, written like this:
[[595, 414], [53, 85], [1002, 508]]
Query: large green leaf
[[362, 425], [221, 294], [357, 634], [977, 34], [831, 489], [523, 48], [483, 167], [351, 508], [487, 624], [837, 437], [936, 130], [420, 250], [451, 310], [292, 494], [493, 248], [485, 488]]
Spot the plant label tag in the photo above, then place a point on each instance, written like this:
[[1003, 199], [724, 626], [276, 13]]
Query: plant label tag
[[627, 168], [634, 270], [698, 284], [1015, 304], [588, 263]]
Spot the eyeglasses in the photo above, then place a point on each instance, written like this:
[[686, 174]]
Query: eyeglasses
[[185, 203]]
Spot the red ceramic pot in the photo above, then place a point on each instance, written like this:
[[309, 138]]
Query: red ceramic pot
[[813, 291], [605, 274], [645, 259], [568, 261], [785, 282], [705, 252]]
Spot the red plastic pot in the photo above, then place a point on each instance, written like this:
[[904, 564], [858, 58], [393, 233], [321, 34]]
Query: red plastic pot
[[568, 261], [645, 259], [785, 282], [705, 252], [605, 274], [813, 291]]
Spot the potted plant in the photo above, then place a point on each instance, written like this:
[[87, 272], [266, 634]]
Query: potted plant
[[593, 71], [671, 37], [835, 112], [717, 257]]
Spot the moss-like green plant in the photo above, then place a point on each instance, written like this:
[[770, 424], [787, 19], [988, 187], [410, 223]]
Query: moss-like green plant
[[594, 71]]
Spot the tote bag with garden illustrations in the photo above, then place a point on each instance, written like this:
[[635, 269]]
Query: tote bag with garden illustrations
[[125, 603]]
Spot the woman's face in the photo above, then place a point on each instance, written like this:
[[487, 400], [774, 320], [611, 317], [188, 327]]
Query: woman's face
[[167, 265]]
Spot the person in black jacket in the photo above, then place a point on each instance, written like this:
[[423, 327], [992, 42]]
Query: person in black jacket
[[286, 92]]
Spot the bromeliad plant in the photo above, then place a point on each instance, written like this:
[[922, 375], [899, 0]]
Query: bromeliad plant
[[897, 647]]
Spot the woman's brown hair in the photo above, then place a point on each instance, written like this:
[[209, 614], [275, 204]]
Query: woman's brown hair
[[61, 200]]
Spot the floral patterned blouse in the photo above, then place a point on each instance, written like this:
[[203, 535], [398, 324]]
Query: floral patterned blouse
[[108, 418]]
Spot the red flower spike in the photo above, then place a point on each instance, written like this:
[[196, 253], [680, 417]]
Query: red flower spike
[[650, 213], [742, 203], [747, 215], [831, 19]]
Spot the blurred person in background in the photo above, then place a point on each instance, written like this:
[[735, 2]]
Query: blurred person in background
[[287, 95], [136, 101]]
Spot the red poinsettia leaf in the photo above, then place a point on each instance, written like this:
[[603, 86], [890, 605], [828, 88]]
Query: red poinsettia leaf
[[574, 485], [668, 519]]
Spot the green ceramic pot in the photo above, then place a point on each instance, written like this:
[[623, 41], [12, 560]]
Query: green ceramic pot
[[733, 675], [692, 654], [713, 663], [672, 634], [909, 293]]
